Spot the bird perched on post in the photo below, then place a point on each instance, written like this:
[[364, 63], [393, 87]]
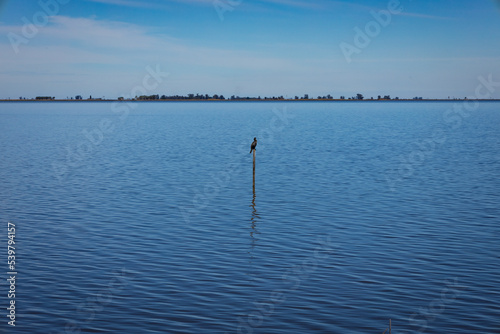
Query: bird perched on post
[[254, 144]]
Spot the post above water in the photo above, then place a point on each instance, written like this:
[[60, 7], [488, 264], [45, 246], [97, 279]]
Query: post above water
[[254, 161], [254, 172]]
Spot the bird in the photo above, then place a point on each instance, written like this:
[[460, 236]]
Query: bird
[[254, 144]]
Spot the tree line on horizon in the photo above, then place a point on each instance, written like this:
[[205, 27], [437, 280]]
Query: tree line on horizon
[[358, 97], [202, 97]]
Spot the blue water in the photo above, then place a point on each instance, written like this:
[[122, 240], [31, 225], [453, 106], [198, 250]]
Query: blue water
[[146, 218]]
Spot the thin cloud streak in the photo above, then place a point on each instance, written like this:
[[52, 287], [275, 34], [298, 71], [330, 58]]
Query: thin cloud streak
[[425, 16], [444, 59], [130, 3], [295, 3], [123, 43]]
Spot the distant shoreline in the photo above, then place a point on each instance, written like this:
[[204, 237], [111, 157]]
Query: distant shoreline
[[248, 100]]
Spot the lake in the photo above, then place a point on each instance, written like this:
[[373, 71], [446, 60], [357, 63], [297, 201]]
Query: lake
[[148, 218]]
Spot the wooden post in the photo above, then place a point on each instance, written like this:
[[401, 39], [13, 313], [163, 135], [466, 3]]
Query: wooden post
[[254, 171], [390, 326], [254, 161]]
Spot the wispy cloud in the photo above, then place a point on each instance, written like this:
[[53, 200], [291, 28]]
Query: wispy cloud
[[131, 3], [317, 5], [296, 3], [427, 60], [425, 16], [111, 42], [312, 5]]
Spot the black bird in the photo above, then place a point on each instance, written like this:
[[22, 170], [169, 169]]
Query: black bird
[[254, 144]]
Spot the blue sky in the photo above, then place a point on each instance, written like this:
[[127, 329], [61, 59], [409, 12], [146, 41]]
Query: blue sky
[[101, 48]]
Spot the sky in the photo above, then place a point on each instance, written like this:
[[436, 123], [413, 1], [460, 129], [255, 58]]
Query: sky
[[108, 48]]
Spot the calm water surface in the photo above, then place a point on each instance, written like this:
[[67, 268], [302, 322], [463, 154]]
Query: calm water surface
[[148, 220]]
